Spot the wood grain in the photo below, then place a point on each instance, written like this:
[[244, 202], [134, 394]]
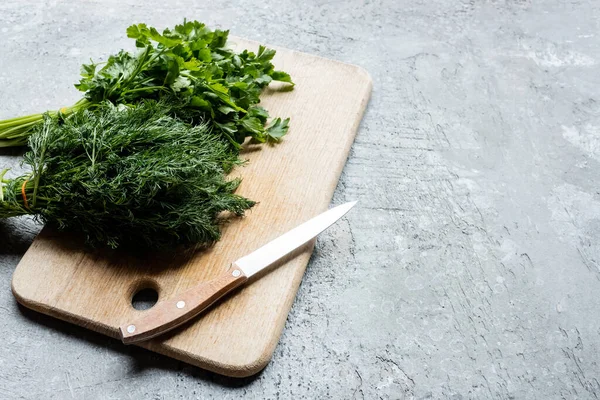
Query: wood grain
[[292, 182]]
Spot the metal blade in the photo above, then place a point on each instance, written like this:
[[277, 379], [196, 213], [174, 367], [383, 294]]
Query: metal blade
[[289, 241]]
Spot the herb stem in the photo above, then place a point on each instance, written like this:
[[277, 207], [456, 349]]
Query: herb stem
[[145, 88], [15, 131]]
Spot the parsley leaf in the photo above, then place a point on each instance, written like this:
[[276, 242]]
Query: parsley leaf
[[277, 129], [189, 66], [193, 64]]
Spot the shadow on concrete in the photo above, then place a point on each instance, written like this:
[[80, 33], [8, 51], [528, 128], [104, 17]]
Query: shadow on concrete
[[143, 359], [16, 235]]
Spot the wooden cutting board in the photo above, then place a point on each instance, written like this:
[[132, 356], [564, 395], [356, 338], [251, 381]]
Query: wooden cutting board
[[292, 181]]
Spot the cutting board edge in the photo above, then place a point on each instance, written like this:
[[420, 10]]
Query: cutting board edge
[[230, 370], [63, 315], [234, 371]]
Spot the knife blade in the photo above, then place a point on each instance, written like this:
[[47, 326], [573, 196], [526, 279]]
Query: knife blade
[[171, 313]]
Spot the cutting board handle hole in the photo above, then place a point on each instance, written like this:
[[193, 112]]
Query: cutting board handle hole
[[145, 295]]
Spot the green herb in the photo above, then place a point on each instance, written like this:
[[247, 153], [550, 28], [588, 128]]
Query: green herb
[[130, 175], [188, 67]]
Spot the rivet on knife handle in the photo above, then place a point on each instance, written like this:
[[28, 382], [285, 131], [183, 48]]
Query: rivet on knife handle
[[171, 313]]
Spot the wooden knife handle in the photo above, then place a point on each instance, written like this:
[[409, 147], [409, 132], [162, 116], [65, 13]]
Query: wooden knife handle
[[171, 313]]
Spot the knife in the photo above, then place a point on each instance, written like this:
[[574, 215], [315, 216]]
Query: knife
[[169, 314]]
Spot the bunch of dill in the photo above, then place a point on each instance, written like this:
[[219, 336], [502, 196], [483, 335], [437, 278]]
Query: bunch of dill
[[132, 175]]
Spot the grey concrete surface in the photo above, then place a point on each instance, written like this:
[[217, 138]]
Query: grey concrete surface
[[470, 269]]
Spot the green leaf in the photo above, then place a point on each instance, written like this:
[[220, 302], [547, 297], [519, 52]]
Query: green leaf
[[185, 29], [199, 102], [219, 38], [277, 129], [134, 31], [197, 45], [137, 32], [88, 70], [265, 54], [192, 65], [237, 61], [226, 110], [253, 125], [228, 127], [223, 93], [167, 42], [217, 87], [258, 112], [143, 35], [281, 77], [241, 85], [204, 55], [181, 83], [173, 71], [264, 80]]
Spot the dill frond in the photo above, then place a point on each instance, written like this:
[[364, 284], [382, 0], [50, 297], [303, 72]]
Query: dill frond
[[132, 175]]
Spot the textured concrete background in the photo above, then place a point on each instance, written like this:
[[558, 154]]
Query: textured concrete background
[[470, 268]]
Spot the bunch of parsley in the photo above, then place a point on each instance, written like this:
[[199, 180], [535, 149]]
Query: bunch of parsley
[[126, 175], [189, 67]]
